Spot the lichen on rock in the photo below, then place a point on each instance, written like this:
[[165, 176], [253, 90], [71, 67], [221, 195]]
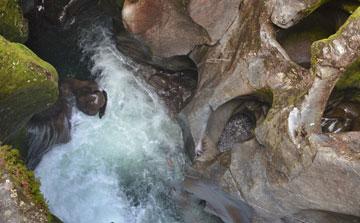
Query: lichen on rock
[[13, 26], [28, 85], [21, 199]]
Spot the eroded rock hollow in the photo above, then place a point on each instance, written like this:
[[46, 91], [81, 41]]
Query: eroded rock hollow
[[267, 93], [300, 159]]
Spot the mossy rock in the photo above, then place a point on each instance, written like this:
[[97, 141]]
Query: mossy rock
[[350, 6], [317, 46], [27, 188], [28, 85], [13, 25], [351, 77]]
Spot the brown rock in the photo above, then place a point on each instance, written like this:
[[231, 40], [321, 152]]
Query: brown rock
[[290, 169], [90, 99], [164, 26], [215, 16]]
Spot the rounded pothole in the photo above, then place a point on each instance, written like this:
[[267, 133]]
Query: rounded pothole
[[235, 121]]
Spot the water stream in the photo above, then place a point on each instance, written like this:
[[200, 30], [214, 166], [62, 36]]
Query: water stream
[[124, 167]]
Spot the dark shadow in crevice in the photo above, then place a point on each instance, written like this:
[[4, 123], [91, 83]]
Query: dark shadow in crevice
[[54, 36], [322, 23], [342, 112]]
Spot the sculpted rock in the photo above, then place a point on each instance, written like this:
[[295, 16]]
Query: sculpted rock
[[297, 40], [215, 16], [291, 168], [28, 85], [241, 124], [289, 12], [164, 26], [13, 25], [46, 129]]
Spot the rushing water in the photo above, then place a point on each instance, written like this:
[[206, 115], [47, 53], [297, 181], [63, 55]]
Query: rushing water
[[123, 167]]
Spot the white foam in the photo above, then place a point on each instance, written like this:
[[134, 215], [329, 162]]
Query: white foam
[[119, 168]]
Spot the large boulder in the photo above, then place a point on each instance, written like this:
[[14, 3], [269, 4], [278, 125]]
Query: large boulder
[[28, 85], [90, 98], [164, 25], [13, 25]]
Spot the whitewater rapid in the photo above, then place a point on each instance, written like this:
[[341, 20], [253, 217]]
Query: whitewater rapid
[[123, 167]]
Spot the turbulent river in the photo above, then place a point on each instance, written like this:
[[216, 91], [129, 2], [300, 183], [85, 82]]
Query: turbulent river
[[124, 167]]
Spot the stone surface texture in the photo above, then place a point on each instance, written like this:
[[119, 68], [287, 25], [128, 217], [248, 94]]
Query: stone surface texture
[[28, 86], [290, 169]]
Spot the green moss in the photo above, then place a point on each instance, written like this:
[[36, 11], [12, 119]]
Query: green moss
[[13, 26], [317, 46], [350, 6], [28, 85], [351, 77], [265, 95], [352, 17], [19, 140], [303, 35], [24, 180], [21, 67]]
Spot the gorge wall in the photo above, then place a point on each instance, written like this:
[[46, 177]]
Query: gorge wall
[[290, 171], [267, 93]]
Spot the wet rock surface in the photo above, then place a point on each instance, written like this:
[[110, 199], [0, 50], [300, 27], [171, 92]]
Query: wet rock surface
[[343, 117], [89, 98], [46, 129], [53, 126], [175, 89]]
